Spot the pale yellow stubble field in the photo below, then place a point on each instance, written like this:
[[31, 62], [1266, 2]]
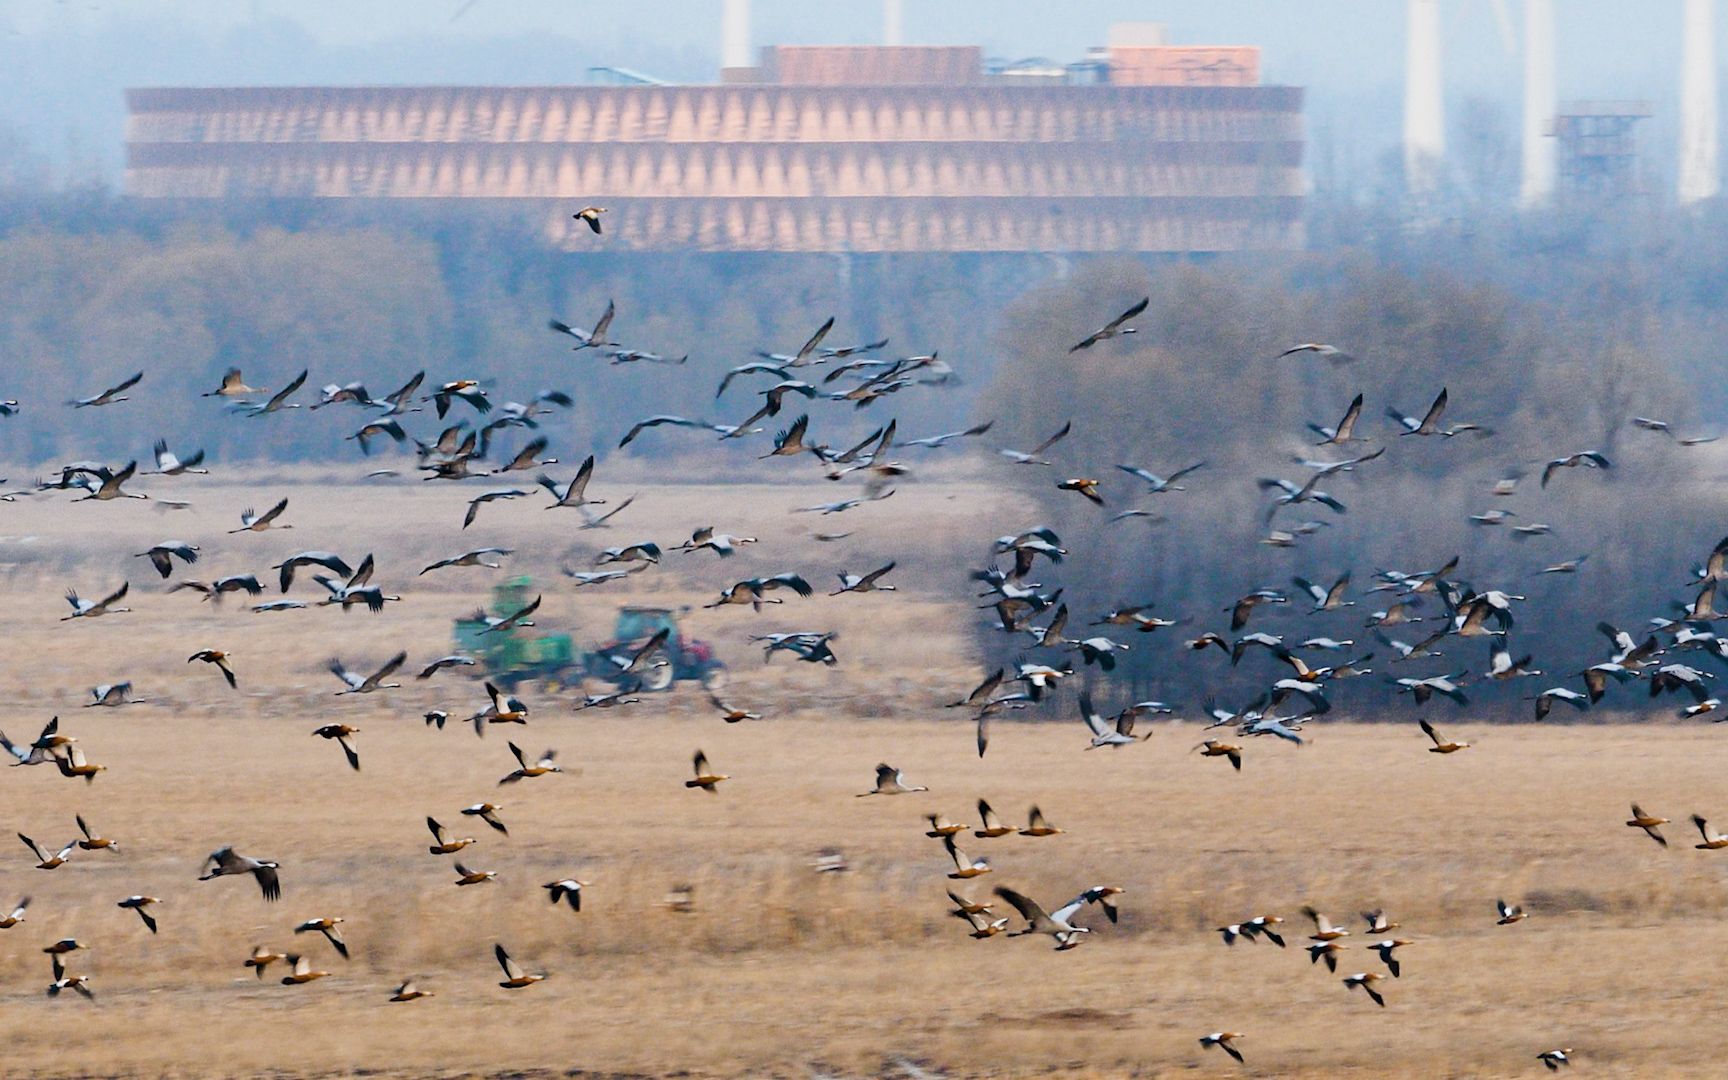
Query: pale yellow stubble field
[[780, 971]]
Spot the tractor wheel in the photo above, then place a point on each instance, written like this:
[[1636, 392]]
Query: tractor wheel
[[658, 679], [714, 677]]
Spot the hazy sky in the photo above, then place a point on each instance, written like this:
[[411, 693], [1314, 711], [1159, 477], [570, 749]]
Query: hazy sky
[[64, 63]]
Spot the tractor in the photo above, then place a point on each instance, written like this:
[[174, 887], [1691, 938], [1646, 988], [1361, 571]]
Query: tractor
[[687, 658], [521, 655]]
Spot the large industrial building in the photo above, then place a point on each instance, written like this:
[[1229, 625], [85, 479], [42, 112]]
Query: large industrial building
[[1142, 147]]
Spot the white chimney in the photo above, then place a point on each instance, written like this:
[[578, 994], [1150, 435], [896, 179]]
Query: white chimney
[[1424, 109], [893, 22], [1700, 171], [735, 35], [1540, 150]]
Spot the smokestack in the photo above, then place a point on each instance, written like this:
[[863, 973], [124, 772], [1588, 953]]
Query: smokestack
[[1700, 172], [735, 34], [893, 22], [1424, 115], [1539, 105]]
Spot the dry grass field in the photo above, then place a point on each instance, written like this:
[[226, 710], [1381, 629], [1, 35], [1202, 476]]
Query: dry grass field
[[780, 971]]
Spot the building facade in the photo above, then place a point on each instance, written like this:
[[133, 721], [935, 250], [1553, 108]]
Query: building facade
[[794, 166]]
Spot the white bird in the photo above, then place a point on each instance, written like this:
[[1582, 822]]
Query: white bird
[[252, 521], [1158, 484], [276, 403], [589, 339], [1103, 732], [1058, 924], [853, 583], [1032, 458], [1113, 328], [722, 544], [108, 396], [162, 555], [1314, 348], [90, 609], [476, 557], [109, 489], [934, 442], [113, 695], [575, 492], [1345, 432], [1589, 458], [169, 465], [359, 684], [225, 861], [890, 781], [1555, 1058], [484, 497]]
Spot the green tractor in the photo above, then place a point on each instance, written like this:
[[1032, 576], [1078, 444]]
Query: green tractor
[[519, 655], [686, 658]]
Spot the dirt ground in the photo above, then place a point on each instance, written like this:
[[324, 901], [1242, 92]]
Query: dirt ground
[[780, 970]]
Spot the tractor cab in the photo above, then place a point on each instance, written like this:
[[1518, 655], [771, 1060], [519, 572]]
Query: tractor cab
[[686, 659]]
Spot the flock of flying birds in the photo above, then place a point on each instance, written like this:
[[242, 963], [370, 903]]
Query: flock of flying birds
[[1037, 621]]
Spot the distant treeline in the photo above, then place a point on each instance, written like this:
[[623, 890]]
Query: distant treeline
[[1552, 334], [97, 289]]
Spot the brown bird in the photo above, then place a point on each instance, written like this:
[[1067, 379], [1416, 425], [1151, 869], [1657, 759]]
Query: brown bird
[[590, 215], [730, 714], [75, 764], [1323, 928], [1221, 1039], [465, 876], [940, 826], [1037, 826], [1377, 921], [445, 844], [1084, 486], [514, 977], [566, 889], [990, 826], [964, 865], [15, 916], [1511, 913], [681, 899], [234, 386], [326, 925], [409, 992], [262, 958], [344, 736], [487, 812], [63, 981], [1214, 748], [302, 972], [44, 861], [220, 659], [1366, 980], [706, 778], [138, 904], [1327, 951], [92, 842], [1386, 949], [1649, 823], [541, 767], [1711, 843], [1441, 746]]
